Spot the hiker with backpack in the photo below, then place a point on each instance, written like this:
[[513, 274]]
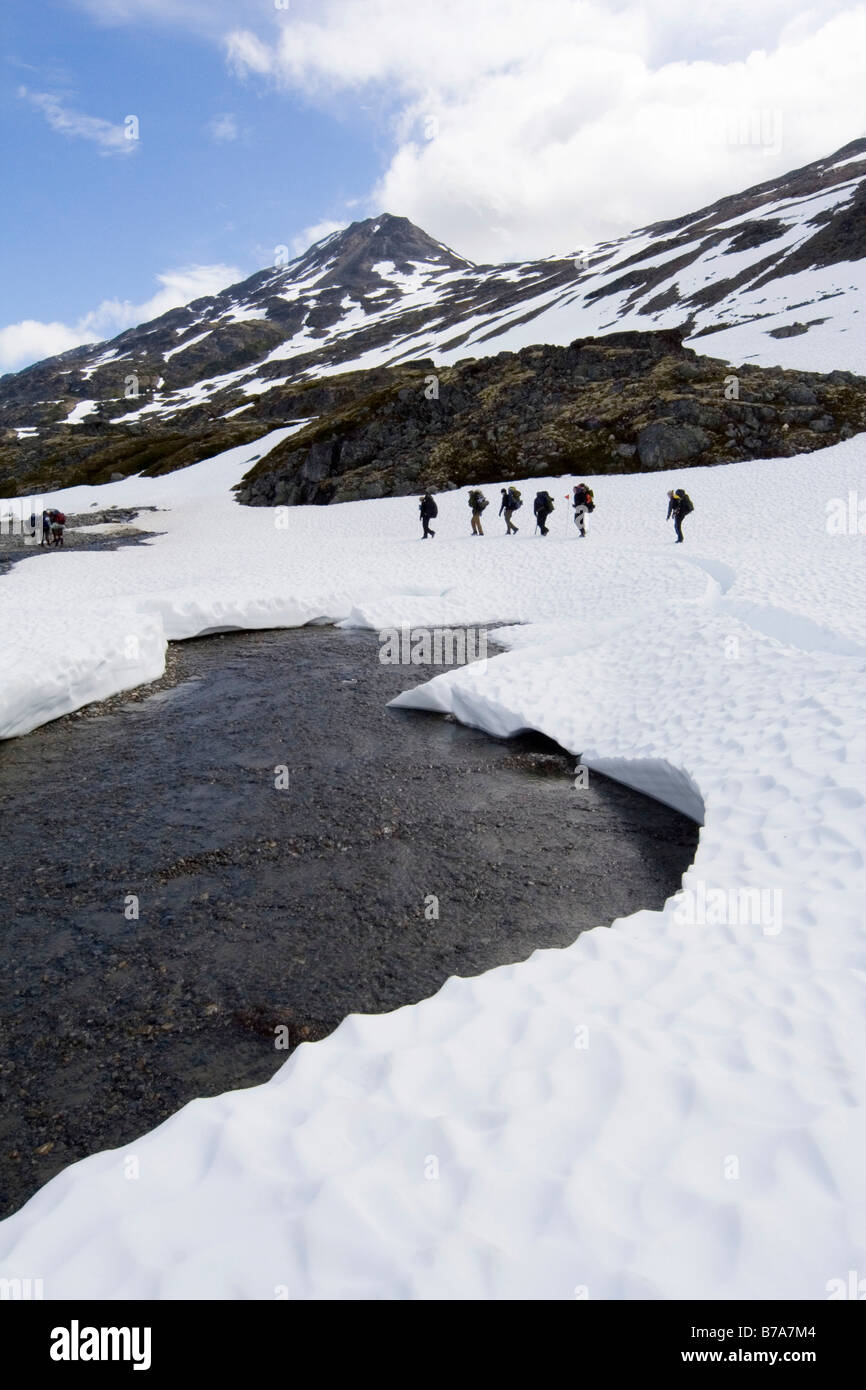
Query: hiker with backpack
[[542, 506], [583, 501], [427, 511], [58, 521], [47, 518], [679, 506], [511, 500], [477, 503]]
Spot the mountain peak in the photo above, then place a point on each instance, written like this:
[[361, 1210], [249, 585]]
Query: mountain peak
[[351, 254]]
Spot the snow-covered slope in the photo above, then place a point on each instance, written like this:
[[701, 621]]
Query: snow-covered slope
[[675, 1107], [774, 276]]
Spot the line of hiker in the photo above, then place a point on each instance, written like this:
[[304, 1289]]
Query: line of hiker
[[581, 497]]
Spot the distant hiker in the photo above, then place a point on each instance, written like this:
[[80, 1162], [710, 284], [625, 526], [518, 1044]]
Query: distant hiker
[[511, 500], [583, 501], [542, 506], [58, 521], [679, 506], [47, 517], [427, 510], [477, 503]]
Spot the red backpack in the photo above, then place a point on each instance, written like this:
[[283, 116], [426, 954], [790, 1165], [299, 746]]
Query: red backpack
[[59, 516]]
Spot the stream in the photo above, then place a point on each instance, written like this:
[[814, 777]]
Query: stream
[[173, 905]]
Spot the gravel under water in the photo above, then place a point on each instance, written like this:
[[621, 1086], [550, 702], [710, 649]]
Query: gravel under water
[[170, 912]]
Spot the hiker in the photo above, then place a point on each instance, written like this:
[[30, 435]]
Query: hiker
[[583, 501], [427, 510], [477, 503], [47, 518], [679, 506], [542, 506], [58, 522], [511, 500]]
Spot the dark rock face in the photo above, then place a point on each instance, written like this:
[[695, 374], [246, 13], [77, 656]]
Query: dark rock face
[[800, 394], [789, 330], [664, 442], [752, 234], [628, 402]]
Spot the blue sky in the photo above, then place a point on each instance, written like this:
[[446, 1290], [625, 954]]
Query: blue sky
[[507, 130], [222, 171]]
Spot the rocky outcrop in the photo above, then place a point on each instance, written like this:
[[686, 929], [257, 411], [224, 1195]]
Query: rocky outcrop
[[628, 402]]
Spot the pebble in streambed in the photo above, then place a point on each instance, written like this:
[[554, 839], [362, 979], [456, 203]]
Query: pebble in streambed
[[172, 898]]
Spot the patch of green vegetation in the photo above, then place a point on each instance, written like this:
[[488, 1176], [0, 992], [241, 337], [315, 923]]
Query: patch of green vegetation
[[490, 396], [98, 458]]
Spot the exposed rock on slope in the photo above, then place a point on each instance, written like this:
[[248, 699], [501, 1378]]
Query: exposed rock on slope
[[628, 402]]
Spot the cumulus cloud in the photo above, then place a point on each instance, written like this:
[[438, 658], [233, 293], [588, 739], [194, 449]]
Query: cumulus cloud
[[112, 139], [526, 129], [30, 340]]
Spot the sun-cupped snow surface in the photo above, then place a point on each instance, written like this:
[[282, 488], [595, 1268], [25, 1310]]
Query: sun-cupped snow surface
[[671, 1107]]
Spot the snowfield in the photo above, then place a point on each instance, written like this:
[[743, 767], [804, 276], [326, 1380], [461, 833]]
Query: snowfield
[[674, 1107]]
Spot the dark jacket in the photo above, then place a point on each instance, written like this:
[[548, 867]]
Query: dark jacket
[[679, 505], [427, 507], [543, 504]]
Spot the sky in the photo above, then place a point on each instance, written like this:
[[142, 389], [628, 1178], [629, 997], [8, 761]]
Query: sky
[[158, 150]]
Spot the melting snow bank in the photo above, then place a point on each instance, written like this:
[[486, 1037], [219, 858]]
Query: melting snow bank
[[672, 1108], [470, 702]]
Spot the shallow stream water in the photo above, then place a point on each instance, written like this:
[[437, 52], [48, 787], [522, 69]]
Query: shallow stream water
[[165, 907]]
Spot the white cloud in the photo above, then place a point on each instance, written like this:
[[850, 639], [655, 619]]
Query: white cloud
[[247, 54], [562, 122], [223, 129], [30, 341], [316, 232], [111, 139]]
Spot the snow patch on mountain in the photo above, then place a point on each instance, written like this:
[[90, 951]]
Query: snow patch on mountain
[[80, 412]]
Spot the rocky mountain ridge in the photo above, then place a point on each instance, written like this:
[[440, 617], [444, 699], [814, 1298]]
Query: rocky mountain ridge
[[772, 277]]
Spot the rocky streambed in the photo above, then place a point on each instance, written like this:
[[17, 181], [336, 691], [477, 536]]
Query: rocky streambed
[[200, 876]]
